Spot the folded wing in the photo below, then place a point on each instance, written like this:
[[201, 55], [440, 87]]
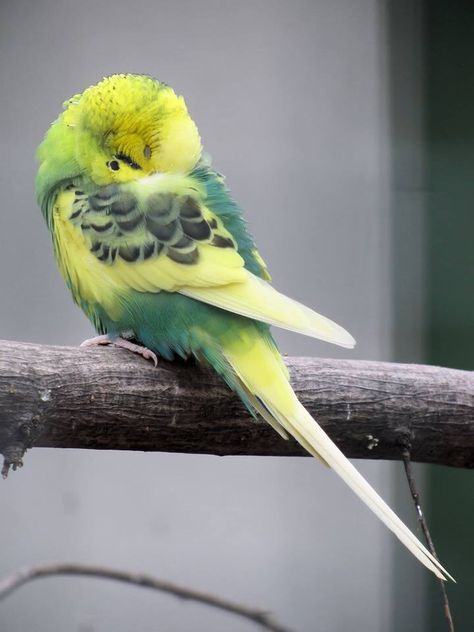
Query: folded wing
[[158, 234], [257, 299]]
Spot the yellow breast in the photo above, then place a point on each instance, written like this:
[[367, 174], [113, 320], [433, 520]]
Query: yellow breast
[[86, 276]]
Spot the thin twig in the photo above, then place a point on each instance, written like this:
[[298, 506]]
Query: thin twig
[[426, 532], [22, 576], [16, 579]]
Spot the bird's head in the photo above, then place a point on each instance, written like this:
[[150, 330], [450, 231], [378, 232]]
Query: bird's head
[[127, 127]]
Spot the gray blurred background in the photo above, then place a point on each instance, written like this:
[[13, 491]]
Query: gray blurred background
[[311, 109]]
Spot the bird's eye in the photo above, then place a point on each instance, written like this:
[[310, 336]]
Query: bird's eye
[[114, 165], [128, 161]]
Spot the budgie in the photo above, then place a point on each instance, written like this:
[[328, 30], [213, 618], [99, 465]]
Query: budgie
[[157, 254]]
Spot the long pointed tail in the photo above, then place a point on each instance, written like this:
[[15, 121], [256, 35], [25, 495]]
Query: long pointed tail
[[263, 376]]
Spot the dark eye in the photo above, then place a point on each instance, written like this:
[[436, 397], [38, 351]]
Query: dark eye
[[128, 161], [114, 165]]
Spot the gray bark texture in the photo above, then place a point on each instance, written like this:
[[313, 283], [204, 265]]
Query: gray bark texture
[[109, 399]]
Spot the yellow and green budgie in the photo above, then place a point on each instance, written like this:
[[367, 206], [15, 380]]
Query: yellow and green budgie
[[157, 254]]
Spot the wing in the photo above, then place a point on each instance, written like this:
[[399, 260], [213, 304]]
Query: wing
[[219, 199], [158, 234]]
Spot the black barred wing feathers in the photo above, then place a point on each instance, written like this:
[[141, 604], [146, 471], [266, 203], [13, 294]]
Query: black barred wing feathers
[[158, 234], [121, 224]]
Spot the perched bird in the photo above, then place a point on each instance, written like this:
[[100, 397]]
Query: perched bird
[[157, 254]]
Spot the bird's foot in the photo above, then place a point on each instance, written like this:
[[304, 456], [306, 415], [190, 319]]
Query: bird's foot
[[97, 340], [134, 348], [124, 344]]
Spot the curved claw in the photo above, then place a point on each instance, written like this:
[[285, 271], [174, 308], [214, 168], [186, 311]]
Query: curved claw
[[146, 353]]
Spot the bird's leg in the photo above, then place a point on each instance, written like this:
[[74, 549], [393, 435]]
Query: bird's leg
[[124, 344]]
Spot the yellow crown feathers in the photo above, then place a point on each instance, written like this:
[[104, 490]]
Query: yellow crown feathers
[[135, 116]]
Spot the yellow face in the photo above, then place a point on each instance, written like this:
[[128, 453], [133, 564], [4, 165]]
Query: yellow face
[[131, 126]]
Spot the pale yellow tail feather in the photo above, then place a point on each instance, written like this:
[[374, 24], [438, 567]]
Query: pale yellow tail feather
[[270, 388], [277, 426], [263, 412], [306, 426], [257, 299], [272, 421]]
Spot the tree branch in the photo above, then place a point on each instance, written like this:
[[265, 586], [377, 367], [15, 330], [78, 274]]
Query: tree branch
[[107, 398], [22, 576]]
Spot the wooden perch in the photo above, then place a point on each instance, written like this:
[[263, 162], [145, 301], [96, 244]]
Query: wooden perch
[[109, 399]]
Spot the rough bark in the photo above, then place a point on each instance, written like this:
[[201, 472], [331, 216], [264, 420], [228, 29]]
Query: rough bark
[[109, 399]]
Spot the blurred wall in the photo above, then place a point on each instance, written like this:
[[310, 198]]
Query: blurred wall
[[291, 102], [405, 80], [449, 98], [431, 62]]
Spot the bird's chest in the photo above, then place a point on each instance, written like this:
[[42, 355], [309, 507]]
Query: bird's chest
[[88, 278]]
